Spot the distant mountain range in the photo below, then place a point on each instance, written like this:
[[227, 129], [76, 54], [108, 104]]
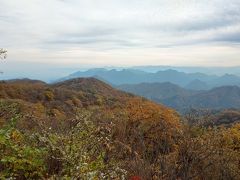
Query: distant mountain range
[[192, 81], [156, 91], [182, 99], [179, 90], [188, 69]]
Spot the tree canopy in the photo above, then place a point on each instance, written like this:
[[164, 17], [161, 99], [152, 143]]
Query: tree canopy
[[3, 53]]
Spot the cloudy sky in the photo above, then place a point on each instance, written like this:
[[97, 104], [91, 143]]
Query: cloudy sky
[[122, 32]]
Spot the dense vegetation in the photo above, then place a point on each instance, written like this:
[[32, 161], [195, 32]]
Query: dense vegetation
[[85, 129]]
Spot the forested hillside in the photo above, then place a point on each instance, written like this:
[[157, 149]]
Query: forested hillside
[[85, 129], [120, 90], [182, 99]]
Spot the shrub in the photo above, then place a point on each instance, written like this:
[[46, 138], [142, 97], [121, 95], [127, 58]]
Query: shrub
[[18, 159]]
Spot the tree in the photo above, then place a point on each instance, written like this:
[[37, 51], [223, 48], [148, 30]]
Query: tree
[[3, 53]]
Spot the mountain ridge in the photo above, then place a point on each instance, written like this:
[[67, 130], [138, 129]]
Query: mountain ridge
[[181, 99], [133, 76]]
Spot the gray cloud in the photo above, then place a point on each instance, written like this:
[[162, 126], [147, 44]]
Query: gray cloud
[[230, 38], [60, 25]]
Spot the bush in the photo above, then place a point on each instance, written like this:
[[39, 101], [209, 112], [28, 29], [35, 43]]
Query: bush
[[18, 159]]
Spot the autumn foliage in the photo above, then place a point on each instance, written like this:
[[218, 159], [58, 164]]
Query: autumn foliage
[[85, 129]]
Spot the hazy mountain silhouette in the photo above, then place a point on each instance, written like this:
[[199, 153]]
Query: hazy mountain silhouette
[[197, 85], [194, 81], [156, 90], [182, 99]]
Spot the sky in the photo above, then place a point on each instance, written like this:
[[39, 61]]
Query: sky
[[89, 33]]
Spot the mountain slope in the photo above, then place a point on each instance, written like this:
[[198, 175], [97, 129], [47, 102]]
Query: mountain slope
[[89, 85], [59, 102], [156, 90], [85, 128], [116, 123], [221, 97], [227, 79], [197, 85], [180, 99]]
